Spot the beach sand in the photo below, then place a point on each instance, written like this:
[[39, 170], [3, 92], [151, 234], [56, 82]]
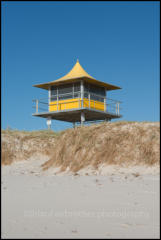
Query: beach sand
[[116, 204]]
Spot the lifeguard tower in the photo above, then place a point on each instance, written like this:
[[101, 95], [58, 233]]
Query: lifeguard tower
[[77, 97]]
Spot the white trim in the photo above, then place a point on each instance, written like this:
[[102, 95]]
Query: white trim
[[82, 93]]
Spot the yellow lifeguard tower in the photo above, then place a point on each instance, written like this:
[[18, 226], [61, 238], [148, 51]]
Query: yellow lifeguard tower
[[77, 97]]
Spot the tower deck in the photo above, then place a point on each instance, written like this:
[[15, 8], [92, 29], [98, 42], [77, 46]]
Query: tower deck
[[74, 115]]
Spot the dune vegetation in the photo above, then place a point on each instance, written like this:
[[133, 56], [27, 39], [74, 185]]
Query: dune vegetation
[[20, 145], [117, 143]]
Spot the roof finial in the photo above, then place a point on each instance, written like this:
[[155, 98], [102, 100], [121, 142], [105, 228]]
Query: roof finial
[[77, 60]]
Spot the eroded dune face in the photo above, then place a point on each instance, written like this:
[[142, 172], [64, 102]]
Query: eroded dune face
[[22, 145], [121, 144]]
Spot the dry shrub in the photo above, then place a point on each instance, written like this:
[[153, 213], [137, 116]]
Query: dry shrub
[[7, 155], [120, 143], [21, 145]]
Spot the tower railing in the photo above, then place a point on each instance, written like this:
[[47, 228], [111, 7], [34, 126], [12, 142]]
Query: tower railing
[[90, 101]]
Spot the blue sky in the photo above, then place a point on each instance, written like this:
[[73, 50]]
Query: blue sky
[[115, 42]]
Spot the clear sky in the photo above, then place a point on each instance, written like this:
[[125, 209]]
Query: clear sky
[[115, 42]]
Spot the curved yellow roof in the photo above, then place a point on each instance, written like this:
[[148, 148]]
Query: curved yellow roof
[[76, 72]]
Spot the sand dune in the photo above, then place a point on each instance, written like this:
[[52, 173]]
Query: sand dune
[[122, 144], [114, 194]]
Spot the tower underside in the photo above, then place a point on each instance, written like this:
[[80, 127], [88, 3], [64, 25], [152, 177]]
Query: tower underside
[[75, 115]]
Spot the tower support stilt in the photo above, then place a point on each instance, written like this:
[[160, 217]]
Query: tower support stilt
[[82, 118], [48, 122]]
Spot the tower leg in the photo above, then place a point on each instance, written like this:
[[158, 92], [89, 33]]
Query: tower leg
[[82, 118], [107, 119], [73, 124], [48, 122]]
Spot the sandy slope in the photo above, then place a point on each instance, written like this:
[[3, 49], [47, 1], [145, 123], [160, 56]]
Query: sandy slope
[[109, 187], [38, 204]]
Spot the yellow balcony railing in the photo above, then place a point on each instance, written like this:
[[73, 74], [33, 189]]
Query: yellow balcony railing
[[112, 106]]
